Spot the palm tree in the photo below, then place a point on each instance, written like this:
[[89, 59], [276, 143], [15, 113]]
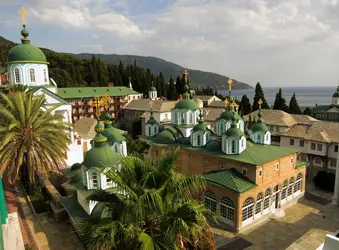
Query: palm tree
[[152, 207], [33, 139]]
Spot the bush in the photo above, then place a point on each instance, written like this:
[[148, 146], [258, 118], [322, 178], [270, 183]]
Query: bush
[[324, 180]]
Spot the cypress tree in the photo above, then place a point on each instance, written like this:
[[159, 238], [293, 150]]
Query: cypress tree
[[307, 111], [259, 94], [245, 105], [172, 92], [294, 108], [280, 102], [178, 86]]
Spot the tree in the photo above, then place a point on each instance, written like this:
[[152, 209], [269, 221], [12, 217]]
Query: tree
[[280, 102], [172, 92], [33, 139], [136, 147], [178, 86], [307, 111], [294, 108], [259, 94], [151, 207], [245, 106]]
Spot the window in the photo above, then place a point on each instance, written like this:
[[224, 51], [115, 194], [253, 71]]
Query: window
[[336, 147], [206, 162], [301, 143], [191, 118], [108, 181], [242, 143], [267, 198], [198, 140], [176, 117], [244, 171], [292, 160], [277, 166], [333, 163], [17, 75], [291, 142], [297, 185], [155, 130], [190, 160], [284, 189], [221, 128], [226, 209], [209, 201], [259, 138], [149, 130], [222, 165], [94, 180], [258, 205], [32, 75], [276, 129], [317, 160], [247, 209], [116, 148], [156, 152], [290, 187], [233, 146], [319, 147], [260, 172], [45, 75], [312, 146], [266, 137], [182, 118]]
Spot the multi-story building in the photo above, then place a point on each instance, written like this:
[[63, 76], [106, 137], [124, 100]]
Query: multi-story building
[[316, 140], [248, 179], [328, 112], [84, 100]]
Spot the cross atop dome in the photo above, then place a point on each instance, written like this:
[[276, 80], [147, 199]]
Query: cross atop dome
[[23, 12], [186, 75]]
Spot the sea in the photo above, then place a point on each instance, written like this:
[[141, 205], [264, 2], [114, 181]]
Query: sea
[[306, 96]]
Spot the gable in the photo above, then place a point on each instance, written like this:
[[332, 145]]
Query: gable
[[51, 98], [332, 110]]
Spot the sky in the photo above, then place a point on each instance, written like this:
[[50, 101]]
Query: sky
[[274, 42]]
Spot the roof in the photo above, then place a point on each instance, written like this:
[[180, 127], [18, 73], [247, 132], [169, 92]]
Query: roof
[[85, 92], [280, 118], [254, 154], [219, 104], [100, 157], [234, 131], [320, 109], [157, 106], [200, 126], [228, 115], [231, 179], [206, 98], [46, 91], [26, 53], [259, 126], [321, 131], [74, 209], [212, 114], [112, 134], [186, 104]]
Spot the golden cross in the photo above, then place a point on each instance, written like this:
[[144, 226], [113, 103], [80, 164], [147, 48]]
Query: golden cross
[[233, 105], [105, 100], [97, 104], [226, 103], [260, 102], [23, 12], [230, 81], [185, 75]]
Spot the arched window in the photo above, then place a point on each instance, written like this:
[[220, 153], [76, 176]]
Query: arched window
[[45, 75], [259, 137], [108, 181], [284, 190], [94, 180], [247, 209], [176, 117], [198, 139], [258, 205], [267, 198], [297, 185], [266, 137], [183, 117], [275, 193], [221, 128], [242, 142], [191, 118], [116, 148], [149, 130], [17, 75], [290, 187], [32, 75], [155, 130], [210, 201], [227, 209], [233, 146]]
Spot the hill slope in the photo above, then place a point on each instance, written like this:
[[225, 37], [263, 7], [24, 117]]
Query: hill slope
[[157, 65]]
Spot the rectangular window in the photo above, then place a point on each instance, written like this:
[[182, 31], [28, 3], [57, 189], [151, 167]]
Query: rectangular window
[[301, 143], [277, 166], [319, 147], [312, 146], [260, 172], [336, 147], [292, 160], [291, 142], [206, 163], [244, 171]]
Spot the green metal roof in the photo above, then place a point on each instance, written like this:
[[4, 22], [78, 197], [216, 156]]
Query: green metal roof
[[112, 134], [26, 53], [71, 93], [168, 136], [228, 115], [320, 109], [152, 121], [231, 179], [301, 164], [200, 126], [259, 126], [74, 209], [100, 157], [186, 104], [234, 132], [254, 154], [153, 89]]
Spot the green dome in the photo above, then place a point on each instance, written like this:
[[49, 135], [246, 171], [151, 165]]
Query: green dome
[[259, 127], [26, 53], [153, 89], [187, 104], [336, 94], [112, 134], [152, 121], [234, 132], [99, 157], [200, 126], [76, 166], [228, 114]]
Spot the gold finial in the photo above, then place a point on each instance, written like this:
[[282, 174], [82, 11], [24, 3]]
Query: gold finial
[[23, 12], [230, 82], [233, 105], [226, 102], [97, 104], [186, 75], [260, 102], [105, 100]]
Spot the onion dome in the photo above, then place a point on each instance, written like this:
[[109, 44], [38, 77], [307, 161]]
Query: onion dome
[[336, 94], [201, 125], [234, 131], [228, 114], [259, 126], [111, 133], [153, 89], [100, 155], [25, 52], [186, 103], [151, 119]]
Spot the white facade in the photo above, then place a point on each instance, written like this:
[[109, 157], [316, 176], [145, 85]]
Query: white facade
[[233, 145], [120, 148], [223, 125], [261, 138], [183, 117], [152, 129], [28, 74], [200, 138], [153, 95]]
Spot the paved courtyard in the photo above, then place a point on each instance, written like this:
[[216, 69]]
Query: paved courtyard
[[302, 228]]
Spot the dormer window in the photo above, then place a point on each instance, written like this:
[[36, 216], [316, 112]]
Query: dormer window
[[155, 130], [149, 130], [233, 146], [94, 180], [199, 140], [259, 137], [32, 75], [191, 118]]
